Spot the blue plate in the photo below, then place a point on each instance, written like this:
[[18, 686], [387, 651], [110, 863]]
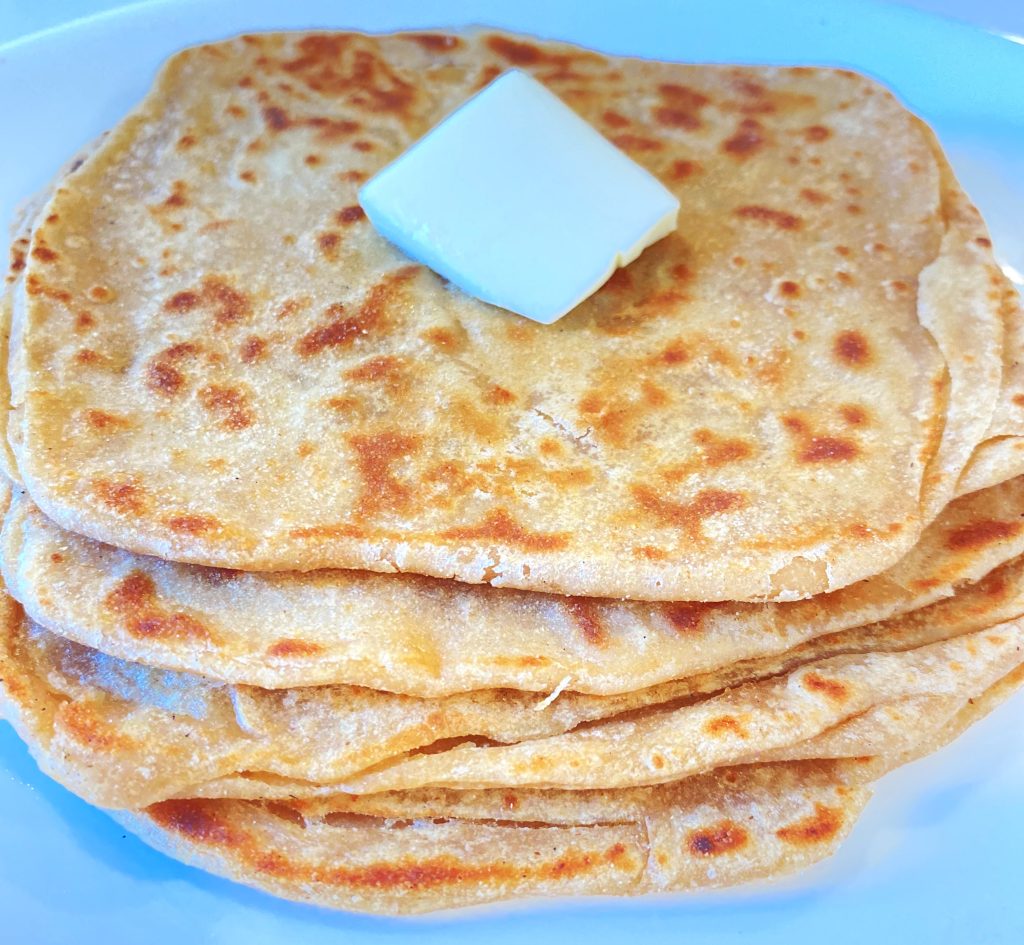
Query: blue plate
[[937, 856]]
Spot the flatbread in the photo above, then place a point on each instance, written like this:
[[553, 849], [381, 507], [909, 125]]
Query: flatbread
[[432, 638], [675, 437], [746, 825]]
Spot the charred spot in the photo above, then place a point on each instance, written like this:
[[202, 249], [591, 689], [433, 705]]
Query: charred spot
[[276, 118], [252, 349], [385, 367], [162, 376], [614, 120], [816, 133], [831, 688], [586, 616], [722, 837], [134, 591], [854, 414], [686, 616], [747, 140], [375, 455], [675, 353], [343, 330], [312, 160], [328, 244], [87, 356], [435, 42], [248, 176], [122, 496], [682, 97], [182, 302], [187, 141], [794, 424], [789, 288], [177, 196], [349, 215], [983, 241], [725, 724], [192, 524], [510, 802], [44, 254], [813, 196], [688, 516], [852, 348], [34, 286], [516, 52], [828, 449], [197, 820], [777, 218], [979, 534], [818, 827], [330, 65], [363, 145], [638, 143], [498, 396], [293, 648], [719, 451], [103, 421], [442, 338], [680, 170], [500, 526], [230, 404], [855, 209], [677, 118], [332, 129], [291, 307]]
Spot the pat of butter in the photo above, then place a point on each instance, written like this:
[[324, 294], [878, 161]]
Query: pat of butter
[[517, 200]]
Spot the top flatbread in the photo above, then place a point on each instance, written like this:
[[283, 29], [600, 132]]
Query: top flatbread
[[223, 363]]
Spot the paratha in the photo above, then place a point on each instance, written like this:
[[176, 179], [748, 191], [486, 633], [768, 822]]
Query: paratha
[[427, 637], [772, 402]]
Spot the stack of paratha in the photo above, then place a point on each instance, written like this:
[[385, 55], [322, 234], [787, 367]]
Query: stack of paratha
[[334, 580]]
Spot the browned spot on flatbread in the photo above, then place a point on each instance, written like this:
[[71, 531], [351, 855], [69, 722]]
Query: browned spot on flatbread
[[725, 724], [831, 688], [682, 169], [435, 42], [500, 526], [346, 216], [777, 218], [375, 456], [687, 516], [85, 726], [981, 533], [252, 349], [586, 616], [686, 616], [748, 138], [722, 837], [288, 647], [192, 524], [328, 243], [121, 495], [818, 827], [342, 330], [230, 404], [106, 422], [828, 449], [637, 143], [197, 820], [337, 65], [852, 348], [854, 414], [134, 599], [817, 133]]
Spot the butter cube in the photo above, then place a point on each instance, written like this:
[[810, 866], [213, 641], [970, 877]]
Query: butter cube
[[518, 201]]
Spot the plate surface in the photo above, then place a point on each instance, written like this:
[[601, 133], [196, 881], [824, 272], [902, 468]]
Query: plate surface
[[937, 855]]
